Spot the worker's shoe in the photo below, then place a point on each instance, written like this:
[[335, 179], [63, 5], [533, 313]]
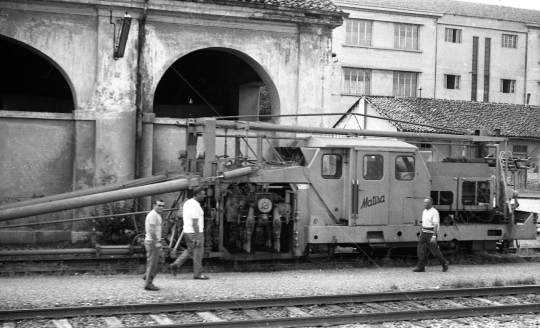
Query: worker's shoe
[[417, 269], [202, 277], [151, 287], [445, 266], [174, 269]]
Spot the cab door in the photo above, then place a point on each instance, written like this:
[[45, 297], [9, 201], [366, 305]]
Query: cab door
[[372, 172]]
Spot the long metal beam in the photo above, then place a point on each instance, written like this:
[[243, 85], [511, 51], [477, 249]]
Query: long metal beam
[[240, 117], [348, 132], [88, 200], [89, 191], [112, 196]]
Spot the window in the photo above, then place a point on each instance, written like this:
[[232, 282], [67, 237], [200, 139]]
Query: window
[[509, 41], [508, 86], [373, 167], [452, 81], [442, 197], [468, 193], [475, 193], [331, 166], [358, 32], [357, 81], [424, 146], [406, 36], [519, 149], [405, 84], [452, 35], [483, 193], [404, 168]]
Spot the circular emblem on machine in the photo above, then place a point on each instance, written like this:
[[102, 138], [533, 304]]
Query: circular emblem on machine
[[264, 205]]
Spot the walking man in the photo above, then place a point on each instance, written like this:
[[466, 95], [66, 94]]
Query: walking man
[[152, 243], [193, 232], [428, 237]]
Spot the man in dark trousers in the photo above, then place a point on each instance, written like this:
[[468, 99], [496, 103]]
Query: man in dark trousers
[[193, 217], [428, 237], [152, 243]]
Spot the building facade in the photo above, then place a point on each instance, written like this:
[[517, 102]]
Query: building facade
[[436, 49]]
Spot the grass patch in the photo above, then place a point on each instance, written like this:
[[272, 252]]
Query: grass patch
[[498, 282], [522, 281]]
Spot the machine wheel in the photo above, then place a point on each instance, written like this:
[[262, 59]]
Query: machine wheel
[[138, 240], [319, 253]]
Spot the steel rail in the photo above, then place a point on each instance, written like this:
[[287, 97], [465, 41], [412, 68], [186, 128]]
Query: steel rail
[[367, 318], [66, 312]]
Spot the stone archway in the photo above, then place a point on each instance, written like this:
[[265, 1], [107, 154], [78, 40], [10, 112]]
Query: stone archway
[[32, 82], [215, 82]]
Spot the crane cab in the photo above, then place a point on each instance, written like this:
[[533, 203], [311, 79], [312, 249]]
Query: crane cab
[[363, 187]]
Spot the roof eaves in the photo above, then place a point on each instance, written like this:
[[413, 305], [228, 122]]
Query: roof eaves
[[376, 9], [335, 11]]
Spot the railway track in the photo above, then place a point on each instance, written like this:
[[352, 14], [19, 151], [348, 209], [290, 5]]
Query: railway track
[[69, 265], [309, 311], [131, 264]]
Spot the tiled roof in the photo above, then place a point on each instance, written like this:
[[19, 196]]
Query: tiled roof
[[301, 5], [518, 121], [452, 7]]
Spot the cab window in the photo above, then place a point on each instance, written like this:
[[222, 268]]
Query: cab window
[[475, 193], [373, 167], [442, 197], [405, 168], [331, 166]]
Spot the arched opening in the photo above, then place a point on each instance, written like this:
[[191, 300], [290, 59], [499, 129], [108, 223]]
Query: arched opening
[[30, 82], [215, 82]]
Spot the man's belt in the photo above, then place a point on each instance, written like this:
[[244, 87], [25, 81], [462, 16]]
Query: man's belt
[[428, 228]]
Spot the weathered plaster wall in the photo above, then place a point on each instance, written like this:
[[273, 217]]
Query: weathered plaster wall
[[37, 156], [36, 161]]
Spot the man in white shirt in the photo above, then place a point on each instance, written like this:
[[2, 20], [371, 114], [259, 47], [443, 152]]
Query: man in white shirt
[[152, 243], [193, 216], [428, 238]]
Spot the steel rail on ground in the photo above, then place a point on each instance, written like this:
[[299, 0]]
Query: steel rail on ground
[[66, 312], [365, 318]]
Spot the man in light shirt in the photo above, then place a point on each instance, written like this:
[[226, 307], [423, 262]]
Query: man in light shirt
[[428, 237], [152, 243], [193, 216]]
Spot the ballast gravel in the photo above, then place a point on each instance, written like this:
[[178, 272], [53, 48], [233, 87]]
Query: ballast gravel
[[80, 290], [87, 289]]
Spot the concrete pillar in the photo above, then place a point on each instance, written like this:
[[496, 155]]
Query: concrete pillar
[[314, 51], [147, 153], [84, 160], [115, 110]]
